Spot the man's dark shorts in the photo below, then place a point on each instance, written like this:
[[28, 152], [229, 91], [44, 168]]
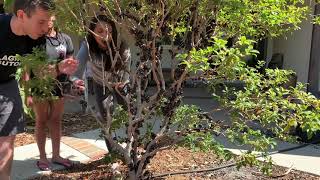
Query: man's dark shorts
[[11, 110]]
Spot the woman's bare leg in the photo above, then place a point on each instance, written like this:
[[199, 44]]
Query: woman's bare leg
[[41, 111], [54, 124]]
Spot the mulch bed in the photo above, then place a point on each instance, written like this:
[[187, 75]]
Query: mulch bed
[[171, 160], [71, 123], [181, 159]]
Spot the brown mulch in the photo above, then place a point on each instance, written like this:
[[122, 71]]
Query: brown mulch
[[24, 139], [78, 122], [71, 123], [181, 159], [94, 170]]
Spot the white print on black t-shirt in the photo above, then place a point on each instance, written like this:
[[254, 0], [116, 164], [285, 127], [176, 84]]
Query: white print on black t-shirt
[[9, 61]]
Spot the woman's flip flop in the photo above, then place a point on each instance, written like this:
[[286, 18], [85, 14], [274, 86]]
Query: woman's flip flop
[[43, 166], [65, 163]]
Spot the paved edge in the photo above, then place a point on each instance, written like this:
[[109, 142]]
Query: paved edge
[[84, 147]]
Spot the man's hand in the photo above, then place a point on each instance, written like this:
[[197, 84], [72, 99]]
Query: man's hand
[[68, 66]]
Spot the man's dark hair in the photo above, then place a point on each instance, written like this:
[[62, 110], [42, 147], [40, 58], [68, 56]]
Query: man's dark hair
[[29, 6]]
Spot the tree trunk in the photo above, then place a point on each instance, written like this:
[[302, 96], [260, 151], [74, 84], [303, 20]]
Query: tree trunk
[[132, 175]]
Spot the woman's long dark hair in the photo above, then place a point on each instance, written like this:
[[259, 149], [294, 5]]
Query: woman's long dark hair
[[94, 46]]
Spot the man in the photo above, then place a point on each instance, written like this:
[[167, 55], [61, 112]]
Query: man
[[19, 33]]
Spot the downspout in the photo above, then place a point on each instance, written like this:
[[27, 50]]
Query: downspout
[[314, 64]]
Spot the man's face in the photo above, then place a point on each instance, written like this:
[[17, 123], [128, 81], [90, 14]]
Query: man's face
[[35, 25]]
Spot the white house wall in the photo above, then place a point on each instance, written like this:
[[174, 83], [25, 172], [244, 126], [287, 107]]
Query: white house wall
[[296, 50]]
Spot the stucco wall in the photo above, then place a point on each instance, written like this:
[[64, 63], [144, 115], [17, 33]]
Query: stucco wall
[[296, 48]]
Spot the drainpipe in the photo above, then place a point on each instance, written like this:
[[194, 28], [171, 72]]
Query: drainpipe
[[314, 64]]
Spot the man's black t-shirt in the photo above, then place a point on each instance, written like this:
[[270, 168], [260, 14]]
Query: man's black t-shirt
[[10, 46]]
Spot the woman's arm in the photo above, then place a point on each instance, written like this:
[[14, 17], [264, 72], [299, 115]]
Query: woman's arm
[[82, 57], [26, 77], [126, 58], [70, 49]]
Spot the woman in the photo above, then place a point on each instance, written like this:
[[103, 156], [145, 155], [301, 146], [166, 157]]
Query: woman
[[103, 34], [49, 113]]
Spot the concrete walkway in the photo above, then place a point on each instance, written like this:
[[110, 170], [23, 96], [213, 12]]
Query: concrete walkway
[[76, 149], [305, 159]]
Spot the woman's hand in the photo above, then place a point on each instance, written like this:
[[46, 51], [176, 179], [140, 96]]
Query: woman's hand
[[44, 71], [79, 85], [51, 70], [120, 88], [68, 66], [118, 85], [29, 101]]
